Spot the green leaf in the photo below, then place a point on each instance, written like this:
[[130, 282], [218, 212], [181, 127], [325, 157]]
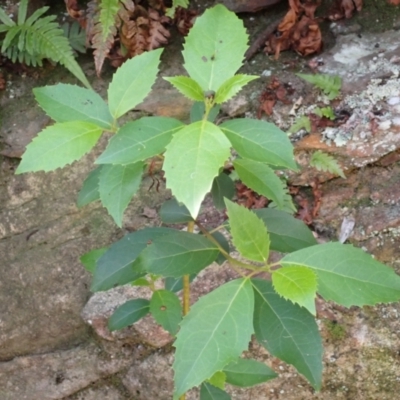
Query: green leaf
[[287, 331], [115, 267], [326, 112], [232, 86], [220, 325], [192, 161], [23, 8], [249, 233], [129, 313], [348, 275], [63, 103], [177, 254], [139, 140], [297, 284], [198, 109], [166, 309], [246, 373], [59, 145], [171, 212], [210, 392], [324, 162], [176, 284], [260, 178], [329, 84], [188, 87], [117, 185], [222, 186], [215, 47], [218, 380], [288, 205], [141, 282], [287, 233], [5, 19], [302, 122], [90, 259], [90, 188], [76, 36], [132, 82], [260, 141], [223, 242]]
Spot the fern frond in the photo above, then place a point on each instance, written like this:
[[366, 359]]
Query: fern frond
[[329, 84], [324, 162], [38, 38], [22, 10], [76, 36], [108, 15]]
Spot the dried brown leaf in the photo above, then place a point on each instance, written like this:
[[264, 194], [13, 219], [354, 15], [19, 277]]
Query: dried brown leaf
[[184, 19], [306, 37], [76, 12]]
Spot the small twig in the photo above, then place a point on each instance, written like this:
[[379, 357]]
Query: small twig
[[261, 39]]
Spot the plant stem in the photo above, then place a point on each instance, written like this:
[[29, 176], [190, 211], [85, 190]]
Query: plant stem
[[186, 291], [186, 281], [234, 263]]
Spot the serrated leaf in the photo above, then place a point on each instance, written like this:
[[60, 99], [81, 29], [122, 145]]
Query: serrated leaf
[[214, 47], [297, 284], [64, 102], [90, 188], [220, 324], [210, 392], [222, 187], [348, 275], [232, 86], [288, 205], [166, 309], [90, 259], [260, 178], [287, 233], [246, 373], [171, 212], [260, 141], [132, 82], [177, 254], [117, 185], [59, 145], [329, 84], [129, 313], [324, 162], [302, 122], [218, 380], [192, 161], [249, 233], [139, 140], [287, 331], [188, 87], [115, 267], [198, 109]]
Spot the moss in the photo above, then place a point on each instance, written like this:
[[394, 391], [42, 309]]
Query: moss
[[336, 331]]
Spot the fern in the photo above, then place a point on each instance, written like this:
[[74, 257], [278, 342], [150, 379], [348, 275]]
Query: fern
[[301, 123], [326, 112], [175, 4], [329, 84], [324, 162], [76, 36], [31, 40]]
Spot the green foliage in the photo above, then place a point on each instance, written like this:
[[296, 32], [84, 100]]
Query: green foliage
[[302, 122], [196, 157], [325, 162], [245, 373], [35, 38], [326, 112], [329, 84]]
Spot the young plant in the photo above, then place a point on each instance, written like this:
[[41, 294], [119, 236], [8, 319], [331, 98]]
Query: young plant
[[329, 84], [211, 337], [30, 40]]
